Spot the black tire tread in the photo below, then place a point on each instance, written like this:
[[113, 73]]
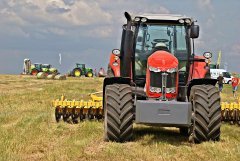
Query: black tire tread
[[207, 115], [119, 112]]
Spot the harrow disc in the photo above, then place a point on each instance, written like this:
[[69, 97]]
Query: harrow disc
[[75, 115], [98, 115], [75, 110], [66, 114], [225, 115], [238, 117], [58, 114], [90, 113], [233, 117], [82, 116]]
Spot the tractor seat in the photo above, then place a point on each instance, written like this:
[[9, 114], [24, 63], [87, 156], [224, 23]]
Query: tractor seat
[[160, 46]]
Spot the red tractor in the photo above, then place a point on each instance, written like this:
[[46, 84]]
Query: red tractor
[[156, 79]]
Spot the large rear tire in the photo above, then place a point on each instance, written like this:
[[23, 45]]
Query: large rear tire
[[118, 113], [77, 72], [206, 115]]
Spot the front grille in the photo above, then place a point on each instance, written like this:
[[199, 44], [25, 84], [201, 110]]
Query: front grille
[[156, 79]]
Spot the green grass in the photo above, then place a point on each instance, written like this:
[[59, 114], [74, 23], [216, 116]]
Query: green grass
[[28, 130]]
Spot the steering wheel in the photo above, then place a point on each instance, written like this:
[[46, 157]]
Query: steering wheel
[[161, 40]]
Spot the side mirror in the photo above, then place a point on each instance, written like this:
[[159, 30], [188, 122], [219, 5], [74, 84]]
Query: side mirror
[[194, 31]]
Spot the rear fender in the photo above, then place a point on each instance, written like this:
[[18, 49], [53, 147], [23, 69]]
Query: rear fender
[[200, 82], [198, 69]]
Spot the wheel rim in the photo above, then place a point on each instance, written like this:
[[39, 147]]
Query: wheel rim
[[90, 74], [77, 73], [34, 72], [75, 116]]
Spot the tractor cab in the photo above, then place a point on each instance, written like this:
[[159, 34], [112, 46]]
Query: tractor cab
[[47, 66], [38, 66], [81, 66], [161, 33]]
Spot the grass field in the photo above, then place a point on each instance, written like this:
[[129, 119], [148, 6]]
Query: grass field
[[28, 130]]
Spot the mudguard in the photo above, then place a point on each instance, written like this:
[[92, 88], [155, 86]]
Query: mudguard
[[113, 80], [200, 82]]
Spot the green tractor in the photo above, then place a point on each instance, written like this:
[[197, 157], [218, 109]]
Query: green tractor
[[46, 68], [80, 70]]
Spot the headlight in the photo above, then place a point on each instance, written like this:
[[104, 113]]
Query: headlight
[[137, 19], [153, 69], [207, 55], [188, 21], [181, 21], [155, 90], [116, 51], [170, 90], [144, 19], [172, 70], [116, 58], [115, 64]]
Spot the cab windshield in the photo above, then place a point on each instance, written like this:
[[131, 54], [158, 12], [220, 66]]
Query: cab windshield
[[46, 66], [171, 38]]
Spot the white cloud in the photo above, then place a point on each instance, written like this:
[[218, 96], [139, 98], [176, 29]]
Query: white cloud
[[59, 16], [53, 15], [100, 32], [9, 17]]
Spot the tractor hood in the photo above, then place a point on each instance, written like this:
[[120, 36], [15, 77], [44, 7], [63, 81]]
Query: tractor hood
[[162, 61]]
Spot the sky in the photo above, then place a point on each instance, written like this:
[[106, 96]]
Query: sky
[[86, 31]]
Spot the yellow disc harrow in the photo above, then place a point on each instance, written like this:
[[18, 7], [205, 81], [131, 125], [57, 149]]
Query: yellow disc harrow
[[78, 110], [231, 112], [75, 111]]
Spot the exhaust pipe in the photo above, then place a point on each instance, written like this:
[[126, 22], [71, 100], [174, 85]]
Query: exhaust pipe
[[127, 48]]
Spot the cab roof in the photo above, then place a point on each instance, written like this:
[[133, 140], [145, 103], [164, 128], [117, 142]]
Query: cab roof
[[167, 17]]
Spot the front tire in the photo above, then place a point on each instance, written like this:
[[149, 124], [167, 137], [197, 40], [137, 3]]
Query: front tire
[[206, 115], [89, 74], [34, 72], [118, 113]]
